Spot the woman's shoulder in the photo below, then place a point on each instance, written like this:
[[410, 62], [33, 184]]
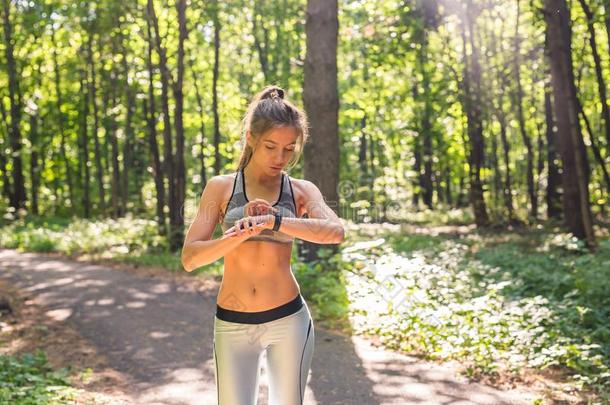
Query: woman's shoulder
[[295, 183], [300, 188], [225, 183], [302, 184]]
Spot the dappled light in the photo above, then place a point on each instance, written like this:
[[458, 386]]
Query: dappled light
[[305, 201]]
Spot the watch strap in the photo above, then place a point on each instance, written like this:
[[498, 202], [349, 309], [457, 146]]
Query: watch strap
[[277, 222]]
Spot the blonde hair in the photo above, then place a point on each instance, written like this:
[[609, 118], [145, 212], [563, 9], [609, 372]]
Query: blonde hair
[[267, 110]]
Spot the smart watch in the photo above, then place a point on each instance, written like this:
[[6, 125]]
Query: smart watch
[[277, 222]]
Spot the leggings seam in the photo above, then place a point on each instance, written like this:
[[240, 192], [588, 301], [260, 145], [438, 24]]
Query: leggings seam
[[217, 379], [301, 364]]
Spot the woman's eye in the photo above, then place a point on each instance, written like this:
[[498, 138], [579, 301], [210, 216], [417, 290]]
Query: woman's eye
[[271, 148]]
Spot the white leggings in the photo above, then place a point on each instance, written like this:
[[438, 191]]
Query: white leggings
[[288, 339]]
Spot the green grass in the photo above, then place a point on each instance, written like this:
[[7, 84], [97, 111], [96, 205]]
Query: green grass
[[29, 379]]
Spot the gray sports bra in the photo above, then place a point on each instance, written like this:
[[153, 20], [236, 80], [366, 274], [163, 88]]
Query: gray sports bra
[[285, 204]]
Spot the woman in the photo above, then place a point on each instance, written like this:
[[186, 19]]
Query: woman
[[260, 209]]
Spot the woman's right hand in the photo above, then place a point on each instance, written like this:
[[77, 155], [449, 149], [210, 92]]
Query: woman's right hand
[[259, 206]]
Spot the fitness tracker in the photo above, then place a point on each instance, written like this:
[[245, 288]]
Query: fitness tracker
[[277, 222]]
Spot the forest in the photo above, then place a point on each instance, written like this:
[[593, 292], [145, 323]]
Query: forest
[[465, 145]]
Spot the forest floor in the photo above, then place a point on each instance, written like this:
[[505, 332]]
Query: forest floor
[[147, 335]]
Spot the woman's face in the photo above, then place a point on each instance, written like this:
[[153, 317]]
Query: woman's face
[[275, 149]]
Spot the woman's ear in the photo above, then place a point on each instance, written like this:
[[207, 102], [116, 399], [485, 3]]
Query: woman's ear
[[249, 140]]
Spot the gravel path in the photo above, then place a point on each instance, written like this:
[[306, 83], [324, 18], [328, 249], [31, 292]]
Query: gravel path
[[160, 332]]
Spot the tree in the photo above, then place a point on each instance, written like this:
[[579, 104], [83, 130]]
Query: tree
[[321, 101], [576, 209]]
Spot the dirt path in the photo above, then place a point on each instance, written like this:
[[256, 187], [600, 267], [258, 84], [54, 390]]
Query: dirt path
[[157, 332]]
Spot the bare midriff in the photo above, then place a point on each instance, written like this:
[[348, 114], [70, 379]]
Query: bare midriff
[[257, 277]]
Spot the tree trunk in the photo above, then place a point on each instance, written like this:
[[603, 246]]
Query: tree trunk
[[177, 201], [426, 125], [60, 121], [518, 101], [34, 169], [596, 152], [17, 197], [150, 114], [494, 162], [84, 145], [112, 138], [96, 141], [472, 89], [506, 187], [363, 179], [35, 146], [128, 155], [262, 47], [199, 99], [553, 197], [321, 101], [576, 207], [168, 160], [217, 156], [6, 179], [601, 84]]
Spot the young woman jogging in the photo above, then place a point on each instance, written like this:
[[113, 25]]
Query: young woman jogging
[[260, 209]]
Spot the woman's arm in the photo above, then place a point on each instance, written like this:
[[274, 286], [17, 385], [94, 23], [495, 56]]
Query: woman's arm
[[322, 225], [198, 250], [201, 252]]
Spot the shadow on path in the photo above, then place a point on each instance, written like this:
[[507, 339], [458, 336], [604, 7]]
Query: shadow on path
[[160, 334]]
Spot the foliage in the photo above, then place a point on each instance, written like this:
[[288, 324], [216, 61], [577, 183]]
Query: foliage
[[496, 307], [498, 302], [29, 379], [322, 282], [129, 240]]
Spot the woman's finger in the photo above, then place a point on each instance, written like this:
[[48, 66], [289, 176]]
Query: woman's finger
[[269, 210], [260, 207], [238, 227], [246, 226], [245, 222], [252, 207]]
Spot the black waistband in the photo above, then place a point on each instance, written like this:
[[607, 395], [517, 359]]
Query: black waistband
[[272, 314]]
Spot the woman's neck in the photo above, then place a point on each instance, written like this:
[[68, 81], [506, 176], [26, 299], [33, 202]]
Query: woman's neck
[[257, 176]]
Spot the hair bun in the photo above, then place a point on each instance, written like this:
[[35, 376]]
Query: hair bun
[[274, 93]]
